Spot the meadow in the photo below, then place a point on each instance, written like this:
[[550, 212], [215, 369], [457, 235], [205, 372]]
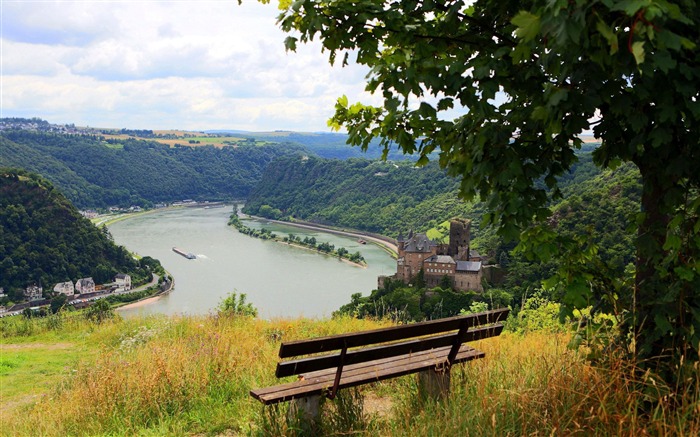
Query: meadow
[[66, 375]]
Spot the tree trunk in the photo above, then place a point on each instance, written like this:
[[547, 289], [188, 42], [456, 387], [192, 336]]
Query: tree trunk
[[648, 287]]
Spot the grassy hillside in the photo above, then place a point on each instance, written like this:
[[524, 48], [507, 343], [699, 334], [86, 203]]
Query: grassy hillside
[[191, 376]]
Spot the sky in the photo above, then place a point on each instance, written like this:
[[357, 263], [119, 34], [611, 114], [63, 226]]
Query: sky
[[147, 64]]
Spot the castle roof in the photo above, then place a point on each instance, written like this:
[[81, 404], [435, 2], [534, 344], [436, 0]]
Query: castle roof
[[419, 243], [444, 259], [468, 266]]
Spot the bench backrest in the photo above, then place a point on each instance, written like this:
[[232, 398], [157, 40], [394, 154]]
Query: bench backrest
[[410, 338]]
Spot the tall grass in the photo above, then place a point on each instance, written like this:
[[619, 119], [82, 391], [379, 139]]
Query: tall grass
[[191, 375], [167, 375], [535, 385]]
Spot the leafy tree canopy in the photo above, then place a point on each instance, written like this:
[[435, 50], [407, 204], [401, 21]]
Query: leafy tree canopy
[[528, 78]]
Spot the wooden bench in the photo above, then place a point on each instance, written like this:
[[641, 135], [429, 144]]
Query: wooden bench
[[430, 347]]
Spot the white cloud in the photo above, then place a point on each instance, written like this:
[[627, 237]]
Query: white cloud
[[154, 64]]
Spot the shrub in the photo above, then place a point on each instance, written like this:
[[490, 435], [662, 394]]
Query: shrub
[[234, 304]]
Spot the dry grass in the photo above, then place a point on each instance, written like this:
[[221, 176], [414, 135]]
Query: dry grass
[[191, 375]]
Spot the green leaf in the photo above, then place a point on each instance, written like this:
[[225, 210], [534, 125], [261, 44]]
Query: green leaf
[[630, 6], [638, 52], [662, 324], [684, 273], [688, 44], [528, 25], [609, 35], [290, 43], [422, 161], [673, 242], [343, 101]]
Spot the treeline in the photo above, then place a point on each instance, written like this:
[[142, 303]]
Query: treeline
[[404, 303], [95, 173], [309, 242], [44, 240]]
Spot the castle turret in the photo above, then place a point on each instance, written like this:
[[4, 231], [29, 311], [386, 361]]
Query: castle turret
[[459, 239]]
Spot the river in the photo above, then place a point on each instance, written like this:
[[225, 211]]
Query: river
[[280, 281]]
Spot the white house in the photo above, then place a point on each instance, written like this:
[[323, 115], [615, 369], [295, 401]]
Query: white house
[[123, 282], [65, 288], [33, 292], [85, 285]]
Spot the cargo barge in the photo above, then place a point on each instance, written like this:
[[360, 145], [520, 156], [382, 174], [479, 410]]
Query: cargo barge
[[188, 255]]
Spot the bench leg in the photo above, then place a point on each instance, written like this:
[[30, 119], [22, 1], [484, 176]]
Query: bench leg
[[434, 384], [306, 409]]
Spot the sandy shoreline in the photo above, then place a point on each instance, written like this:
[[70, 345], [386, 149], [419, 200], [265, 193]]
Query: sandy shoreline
[[139, 303]]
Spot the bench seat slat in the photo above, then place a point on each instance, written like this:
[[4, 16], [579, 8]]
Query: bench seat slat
[[357, 374], [330, 343], [305, 365]]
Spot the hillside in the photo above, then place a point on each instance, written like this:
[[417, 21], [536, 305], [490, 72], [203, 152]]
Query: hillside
[[375, 196], [44, 240], [94, 172], [394, 197]]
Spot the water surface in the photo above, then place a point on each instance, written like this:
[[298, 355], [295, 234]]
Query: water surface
[[279, 280]]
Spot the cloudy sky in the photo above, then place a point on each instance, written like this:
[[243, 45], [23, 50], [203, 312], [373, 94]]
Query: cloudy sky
[[150, 64]]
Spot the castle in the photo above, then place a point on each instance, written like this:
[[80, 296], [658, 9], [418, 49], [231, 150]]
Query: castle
[[455, 260]]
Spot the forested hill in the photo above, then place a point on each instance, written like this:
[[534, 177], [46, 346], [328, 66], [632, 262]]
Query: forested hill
[[376, 196], [92, 172], [389, 198], [45, 240]]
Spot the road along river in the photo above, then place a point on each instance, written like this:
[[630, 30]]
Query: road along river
[[281, 281]]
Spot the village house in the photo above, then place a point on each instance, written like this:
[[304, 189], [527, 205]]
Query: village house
[[33, 292], [454, 260], [85, 285], [64, 288], [123, 282]]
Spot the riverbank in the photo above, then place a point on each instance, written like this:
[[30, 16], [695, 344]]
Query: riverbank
[[384, 244], [152, 298], [300, 246], [355, 259], [109, 219]]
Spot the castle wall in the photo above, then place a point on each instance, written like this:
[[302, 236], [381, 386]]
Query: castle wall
[[468, 281]]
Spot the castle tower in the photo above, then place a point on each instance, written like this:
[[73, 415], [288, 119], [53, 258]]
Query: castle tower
[[459, 239], [400, 243]]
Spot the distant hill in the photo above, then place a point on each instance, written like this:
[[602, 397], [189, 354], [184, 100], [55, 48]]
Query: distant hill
[[94, 172], [45, 240], [325, 145]]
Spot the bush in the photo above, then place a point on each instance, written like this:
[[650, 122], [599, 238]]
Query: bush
[[234, 304], [100, 311]]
